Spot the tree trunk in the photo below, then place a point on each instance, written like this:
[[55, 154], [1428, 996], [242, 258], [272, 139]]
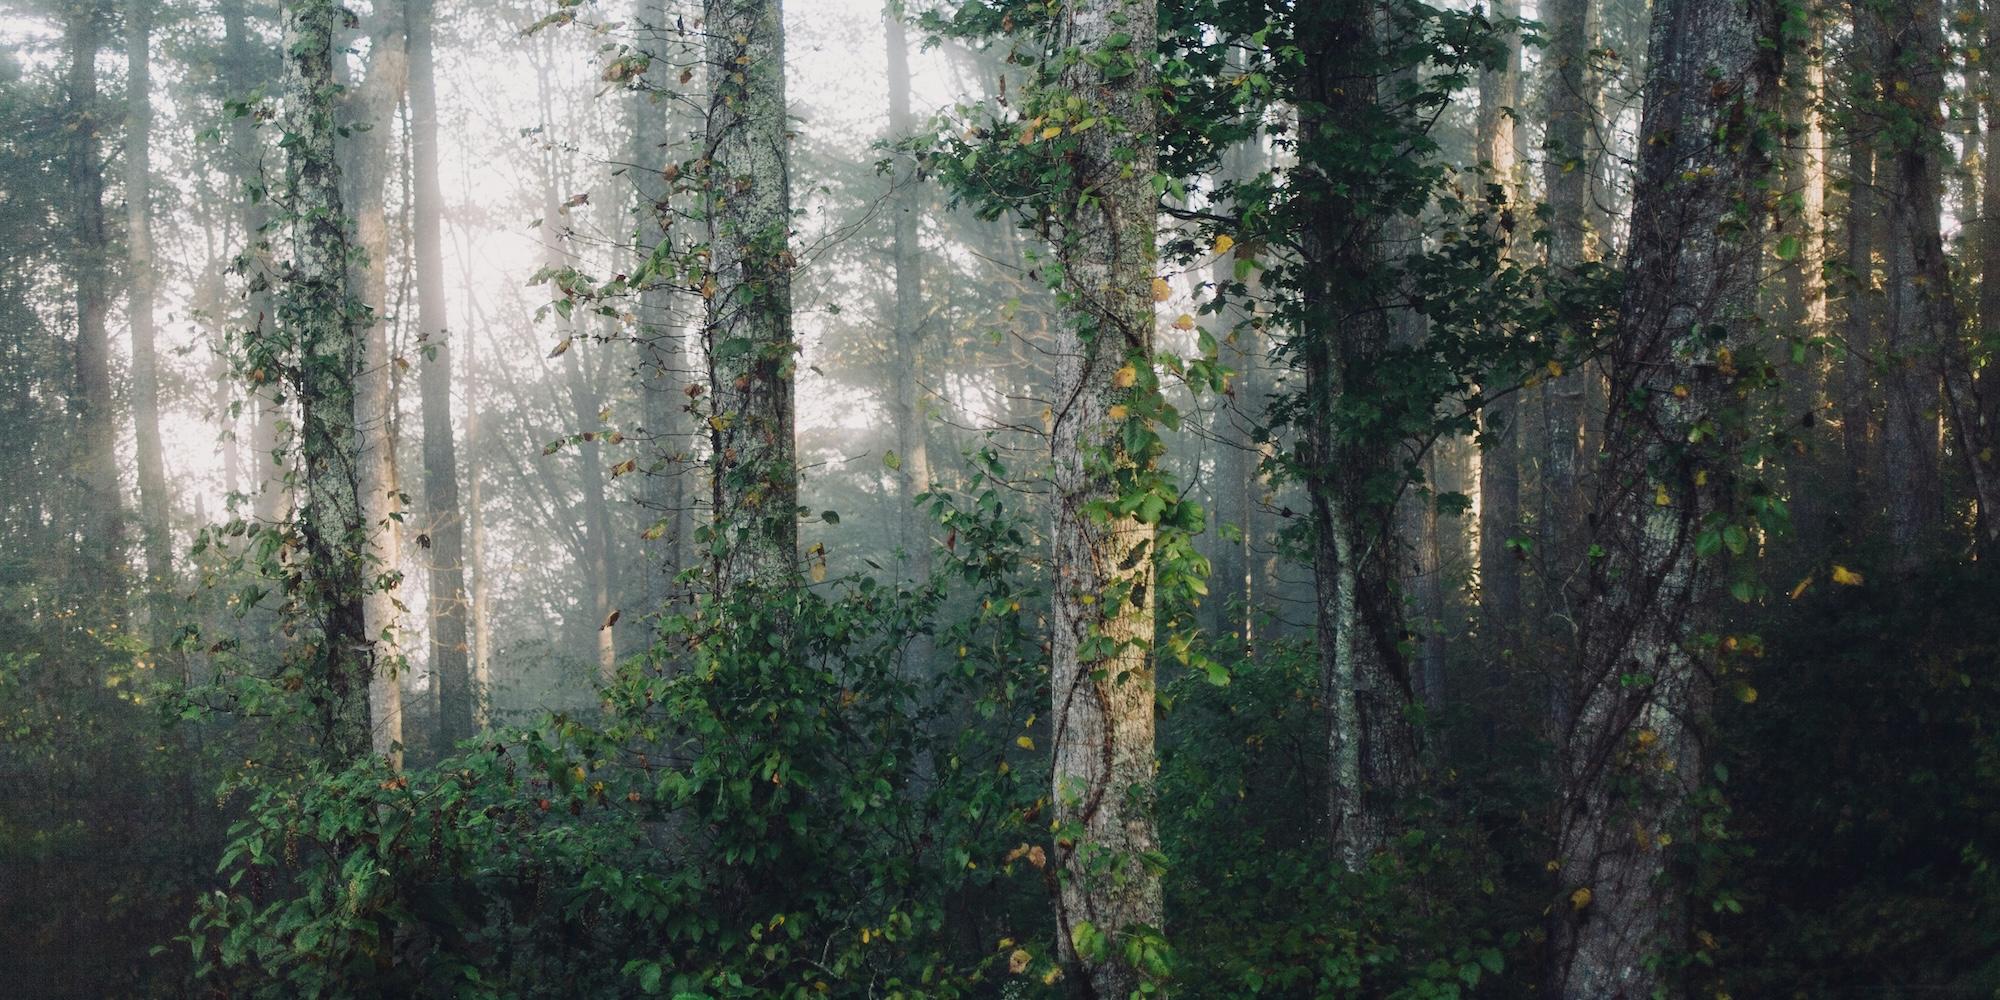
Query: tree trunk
[[101, 524], [1344, 331], [270, 499], [444, 524], [1499, 457], [155, 504], [1102, 682], [327, 336], [906, 408], [1639, 694], [365, 173], [662, 353], [1572, 115], [748, 329], [1238, 486], [1921, 317]]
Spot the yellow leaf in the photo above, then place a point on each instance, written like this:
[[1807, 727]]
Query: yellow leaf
[[1051, 132], [1126, 377], [819, 571], [1800, 588], [1746, 694], [1224, 242], [1555, 368], [1579, 899], [1161, 290], [1660, 496], [1117, 412], [1024, 743], [1846, 577], [1184, 322], [708, 288], [1017, 963]]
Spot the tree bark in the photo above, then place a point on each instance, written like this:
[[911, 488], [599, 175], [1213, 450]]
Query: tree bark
[[318, 315], [906, 408], [444, 523], [1566, 171], [1499, 457], [1640, 692], [1344, 331], [155, 504], [1102, 680], [92, 406], [271, 492], [748, 327], [369, 113]]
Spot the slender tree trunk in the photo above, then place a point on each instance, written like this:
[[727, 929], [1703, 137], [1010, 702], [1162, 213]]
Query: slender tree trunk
[[482, 627], [155, 505], [913, 472], [1500, 458], [1864, 312], [748, 331], [662, 352], [444, 524], [1344, 331], [1920, 316], [1640, 693], [318, 318], [92, 401], [1804, 271], [1572, 112], [270, 500], [366, 168], [1238, 488]]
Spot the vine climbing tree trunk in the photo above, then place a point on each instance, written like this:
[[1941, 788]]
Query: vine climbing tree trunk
[[1103, 560], [1640, 690], [748, 328], [317, 318], [912, 465]]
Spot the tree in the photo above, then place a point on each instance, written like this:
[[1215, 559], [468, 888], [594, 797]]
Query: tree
[[154, 501], [1500, 458], [1676, 492], [1103, 553], [444, 524], [101, 522], [906, 408], [1345, 287], [748, 288], [321, 319]]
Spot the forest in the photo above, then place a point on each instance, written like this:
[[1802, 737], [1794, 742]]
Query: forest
[[1102, 499]]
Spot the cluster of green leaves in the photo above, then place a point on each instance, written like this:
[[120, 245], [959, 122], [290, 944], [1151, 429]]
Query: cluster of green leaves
[[778, 801]]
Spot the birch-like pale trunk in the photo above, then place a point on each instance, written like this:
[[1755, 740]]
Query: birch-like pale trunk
[[748, 327], [155, 504], [317, 314], [1639, 693], [444, 523], [906, 407], [365, 173], [1102, 681]]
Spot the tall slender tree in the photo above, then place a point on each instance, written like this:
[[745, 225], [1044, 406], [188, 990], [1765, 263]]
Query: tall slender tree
[[154, 501], [906, 407], [1500, 458], [444, 523], [100, 526], [1673, 469], [318, 317], [748, 289], [1344, 331]]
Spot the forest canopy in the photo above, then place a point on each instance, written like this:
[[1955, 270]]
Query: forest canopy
[[999, 498]]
